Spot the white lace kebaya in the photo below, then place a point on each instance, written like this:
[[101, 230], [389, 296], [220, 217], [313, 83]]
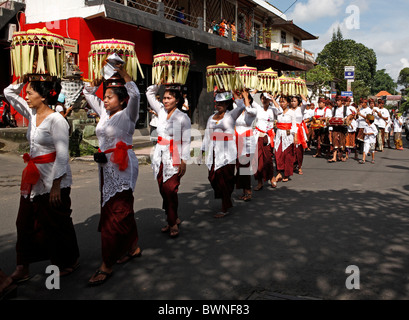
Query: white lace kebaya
[[110, 131], [244, 123], [224, 152], [282, 139], [52, 135], [177, 129]]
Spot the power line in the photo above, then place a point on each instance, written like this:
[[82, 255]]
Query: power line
[[288, 7]]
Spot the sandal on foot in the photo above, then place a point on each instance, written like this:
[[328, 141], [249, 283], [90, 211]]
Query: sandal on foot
[[166, 228], [128, 257], [102, 281], [68, 270], [273, 184], [361, 161], [258, 188], [247, 197], [220, 215], [373, 161], [20, 277], [242, 196], [174, 232]]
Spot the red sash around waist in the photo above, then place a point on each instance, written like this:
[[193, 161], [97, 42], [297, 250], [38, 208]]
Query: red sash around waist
[[284, 126], [120, 155], [240, 143], [270, 133], [300, 134], [174, 152], [30, 173]]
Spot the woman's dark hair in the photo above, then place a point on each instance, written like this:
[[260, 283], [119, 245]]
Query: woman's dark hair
[[122, 95], [228, 103], [286, 98], [299, 100], [178, 95], [251, 99], [48, 90]]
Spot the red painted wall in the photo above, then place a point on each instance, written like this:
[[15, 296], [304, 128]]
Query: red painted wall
[[228, 57], [99, 28]]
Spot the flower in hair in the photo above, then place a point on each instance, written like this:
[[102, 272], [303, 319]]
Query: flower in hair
[[53, 93]]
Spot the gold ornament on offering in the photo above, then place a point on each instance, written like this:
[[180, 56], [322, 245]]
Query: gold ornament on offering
[[268, 81], [170, 68], [247, 77], [102, 49], [293, 86], [37, 51], [221, 76]]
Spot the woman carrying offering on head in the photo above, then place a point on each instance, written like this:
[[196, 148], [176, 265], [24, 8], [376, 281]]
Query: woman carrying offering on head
[[118, 170]]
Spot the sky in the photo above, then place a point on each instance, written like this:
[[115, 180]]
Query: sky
[[379, 25]]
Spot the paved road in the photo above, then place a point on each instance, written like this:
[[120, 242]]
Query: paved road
[[296, 240]]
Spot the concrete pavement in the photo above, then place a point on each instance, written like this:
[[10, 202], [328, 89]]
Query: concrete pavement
[[293, 242]]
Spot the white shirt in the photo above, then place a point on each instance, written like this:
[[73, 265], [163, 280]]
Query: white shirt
[[353, 126], [384, 113], [265, 120], [299, 118], [339, 112], [281, 137], [397, 124], [59, 108], [351, 110], [224, 152], [244, 123], [364, 112], [324, 112], [52, 135], [185, 103], [308, 114], [370, 129], [177, 128], [110, 131]]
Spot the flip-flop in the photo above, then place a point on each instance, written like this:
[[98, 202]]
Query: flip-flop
[[221, 215], [174, 233], [67, 271], [22, 279], [128, 257], [99, 282]]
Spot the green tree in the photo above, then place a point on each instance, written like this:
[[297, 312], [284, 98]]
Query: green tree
[[360, 90], [403, 78], [320, 77], [383, 81], [342, 52]]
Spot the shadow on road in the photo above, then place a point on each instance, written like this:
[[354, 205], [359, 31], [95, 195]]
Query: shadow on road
[[285, 249]]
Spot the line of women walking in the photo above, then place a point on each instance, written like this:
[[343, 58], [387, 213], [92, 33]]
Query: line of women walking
[[234, 152]]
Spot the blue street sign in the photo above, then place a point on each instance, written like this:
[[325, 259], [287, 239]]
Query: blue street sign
[[347, 94], [349, 75]]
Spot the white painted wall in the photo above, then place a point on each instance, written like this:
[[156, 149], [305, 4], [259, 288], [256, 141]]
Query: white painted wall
[[54, 10]]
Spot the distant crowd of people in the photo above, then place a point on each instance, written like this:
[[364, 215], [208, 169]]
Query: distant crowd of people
[[223, 28], [340, 128]]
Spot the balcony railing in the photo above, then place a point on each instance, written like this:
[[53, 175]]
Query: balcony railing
[[294, 51], [171, 13], [7, 4]]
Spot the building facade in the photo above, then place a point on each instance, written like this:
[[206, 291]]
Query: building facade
[[264, 38]]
